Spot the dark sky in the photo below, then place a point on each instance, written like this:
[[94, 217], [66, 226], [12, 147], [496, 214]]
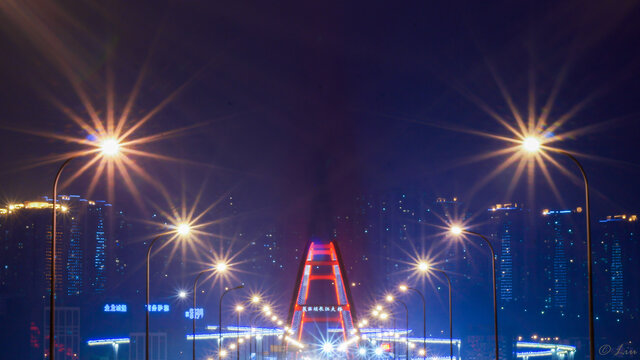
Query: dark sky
[[302, 101]]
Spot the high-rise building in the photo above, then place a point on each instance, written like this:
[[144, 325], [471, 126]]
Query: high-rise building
[[98, 243], [561, 256], [507, 228], [84, 246], [85, 239], [618, 254], [75, 278]]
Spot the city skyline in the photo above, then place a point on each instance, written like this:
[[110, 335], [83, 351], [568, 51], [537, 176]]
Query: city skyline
[[519, 290]]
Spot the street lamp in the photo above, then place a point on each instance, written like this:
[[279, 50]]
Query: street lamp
[[255, 300], [390, 299], [182, 230], [220, 267], [456, 231], [405, 288], [239, 309], [533, 145], [220, 318], [108, 148], [428, 267]]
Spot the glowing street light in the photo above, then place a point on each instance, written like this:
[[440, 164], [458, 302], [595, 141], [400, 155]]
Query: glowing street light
[[220, 318], [180, 230], [183, 229], [423, 266], [219, 268], [182, 294], [239, 309], [529, 145], [390, 299], [404, 288], [327, 347], [255, 299], [457, 230], [108, 148], [450, 310]]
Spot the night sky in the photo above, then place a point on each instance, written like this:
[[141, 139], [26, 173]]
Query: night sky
[[296, 99]]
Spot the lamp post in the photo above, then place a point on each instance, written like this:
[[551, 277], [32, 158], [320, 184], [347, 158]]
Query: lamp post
[[457, 230], [219, 268], [251, 325], [391, 299], [181, 230], [532, 144], [404, 288], [239, 309], [52, 285], [108, 147], [428, 267], [255, 299], [220, 319]]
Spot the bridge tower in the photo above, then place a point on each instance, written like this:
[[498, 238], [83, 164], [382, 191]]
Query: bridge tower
[[322, 261]]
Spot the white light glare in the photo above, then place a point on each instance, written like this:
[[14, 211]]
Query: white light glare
[[110, 147], [531, 144], [183, 229], [327, 348]]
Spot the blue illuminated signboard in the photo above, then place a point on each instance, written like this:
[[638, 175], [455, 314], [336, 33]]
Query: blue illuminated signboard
[[158, 308], [121, 308], [199, 313]]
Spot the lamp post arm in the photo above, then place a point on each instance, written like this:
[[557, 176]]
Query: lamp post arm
[[52, 285], [589, 259], [195, 285], [450, 312], [406, 309], [495, 292], [146, 309], [424, 321], [220, 318]]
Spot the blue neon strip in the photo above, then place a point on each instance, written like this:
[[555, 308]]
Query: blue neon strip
[[108, 341]]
